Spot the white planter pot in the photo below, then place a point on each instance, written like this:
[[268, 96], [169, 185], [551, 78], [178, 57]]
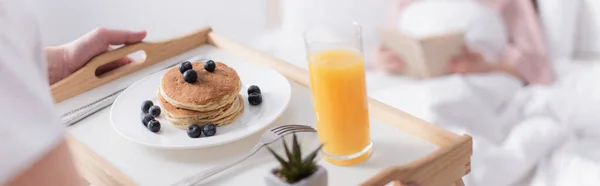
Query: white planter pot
[[318, 178]]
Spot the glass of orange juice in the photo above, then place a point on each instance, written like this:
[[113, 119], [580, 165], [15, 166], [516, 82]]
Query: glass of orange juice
[[337, 82]]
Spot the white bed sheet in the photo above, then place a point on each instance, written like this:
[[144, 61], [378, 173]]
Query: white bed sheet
[[536, 135]]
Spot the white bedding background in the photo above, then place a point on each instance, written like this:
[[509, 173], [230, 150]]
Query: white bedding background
[[533, 135], [537, 135]]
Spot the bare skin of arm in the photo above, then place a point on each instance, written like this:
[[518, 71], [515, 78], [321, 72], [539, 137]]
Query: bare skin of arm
[[54, 168]]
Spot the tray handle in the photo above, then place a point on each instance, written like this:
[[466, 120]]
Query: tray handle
[[422, 171], [440, 168], [85, 78]]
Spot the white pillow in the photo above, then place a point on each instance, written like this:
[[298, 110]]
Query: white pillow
[[484, 29], [559, 19]]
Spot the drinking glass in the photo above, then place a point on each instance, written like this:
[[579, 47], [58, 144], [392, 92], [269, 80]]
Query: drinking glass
[[337, 83]]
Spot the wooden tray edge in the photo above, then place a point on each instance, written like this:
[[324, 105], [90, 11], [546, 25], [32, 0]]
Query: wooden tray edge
[[453, 155], [451, 161]]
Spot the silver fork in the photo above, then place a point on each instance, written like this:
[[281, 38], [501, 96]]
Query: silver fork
[[268, 137]]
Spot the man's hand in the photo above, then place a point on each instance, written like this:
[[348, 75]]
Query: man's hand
[[65, 59]]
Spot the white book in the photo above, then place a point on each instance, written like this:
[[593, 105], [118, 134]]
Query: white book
[[424, 57]]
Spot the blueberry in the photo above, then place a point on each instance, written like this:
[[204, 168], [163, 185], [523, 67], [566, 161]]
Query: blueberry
[[210, 66], [254, 98], [153, 125], [190, 76], [185, 66], [155, 110], [146, 105], [147, 118], [209, 129], [253, 89], [194, 131]]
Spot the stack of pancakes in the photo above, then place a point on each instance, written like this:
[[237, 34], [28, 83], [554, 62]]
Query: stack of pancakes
[[213, 98]]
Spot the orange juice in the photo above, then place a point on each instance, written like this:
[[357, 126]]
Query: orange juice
[[338, 87]]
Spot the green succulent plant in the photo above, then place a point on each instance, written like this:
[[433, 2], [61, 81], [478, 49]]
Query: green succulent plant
[[295, 168]]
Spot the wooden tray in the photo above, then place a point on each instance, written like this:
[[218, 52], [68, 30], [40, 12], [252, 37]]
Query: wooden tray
[[444, 167]]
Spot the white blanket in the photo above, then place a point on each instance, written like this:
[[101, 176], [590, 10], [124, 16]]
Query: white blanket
[[522, 135]]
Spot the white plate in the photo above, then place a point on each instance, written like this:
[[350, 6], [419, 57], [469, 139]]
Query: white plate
[[125, 113]]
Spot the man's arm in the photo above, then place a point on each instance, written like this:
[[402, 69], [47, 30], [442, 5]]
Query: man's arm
[[57, 70], [54, 168], [32, 138]]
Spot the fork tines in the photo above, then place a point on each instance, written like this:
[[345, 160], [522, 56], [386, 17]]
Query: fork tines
[[284, 129]]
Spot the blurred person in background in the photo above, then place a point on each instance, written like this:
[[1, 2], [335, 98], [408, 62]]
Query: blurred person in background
[[532, 135], [524, 55], [32, 139]]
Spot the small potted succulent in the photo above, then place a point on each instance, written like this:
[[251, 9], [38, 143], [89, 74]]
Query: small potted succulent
[[296, 171]]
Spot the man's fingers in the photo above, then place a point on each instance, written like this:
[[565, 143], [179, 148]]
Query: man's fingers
[[116, 37], [97, 42]]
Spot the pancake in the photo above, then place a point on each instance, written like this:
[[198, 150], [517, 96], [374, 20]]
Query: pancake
[[211, 91], [220, 117], [181, 113]]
